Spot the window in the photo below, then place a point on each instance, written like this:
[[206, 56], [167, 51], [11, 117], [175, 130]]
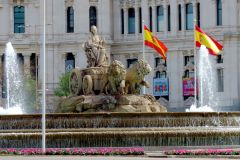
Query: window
[[19, 19], [157, 61], [4, 81], [160, 61], [219, 59], [131, 61], [140, 20], [33, 66], [179, 18], [169, 17], [70, 62], [70, 20], [220, 86], [150, 18], [188, 74], [158, 74], [162, 74], [188, 59], [219, 12], [160, 18], [198, 15], [122, 21], [131, 20], [20, 60], [92, 17], [189, 16]]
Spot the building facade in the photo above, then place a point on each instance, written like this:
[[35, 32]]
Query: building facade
[[120, 23]]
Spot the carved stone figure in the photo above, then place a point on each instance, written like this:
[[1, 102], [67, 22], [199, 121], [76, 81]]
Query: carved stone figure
[[115, 79], [135, 77], [95, 50]]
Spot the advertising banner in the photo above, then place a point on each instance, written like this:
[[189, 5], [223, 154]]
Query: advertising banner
[[69, 65], [188, 86], [160, 87]]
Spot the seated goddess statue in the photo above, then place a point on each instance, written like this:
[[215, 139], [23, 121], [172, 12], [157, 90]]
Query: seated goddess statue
[[95, 50]]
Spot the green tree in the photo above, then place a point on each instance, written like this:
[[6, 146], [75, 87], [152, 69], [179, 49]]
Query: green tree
[[63, 86], [30, 94]]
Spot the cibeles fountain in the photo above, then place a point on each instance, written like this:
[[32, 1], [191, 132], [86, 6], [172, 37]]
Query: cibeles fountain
[[108, 88], [106, 109]]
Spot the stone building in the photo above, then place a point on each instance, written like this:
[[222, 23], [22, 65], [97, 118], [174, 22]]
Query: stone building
[[120, 23]]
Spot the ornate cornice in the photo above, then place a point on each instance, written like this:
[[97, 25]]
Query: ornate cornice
[[130, 3]]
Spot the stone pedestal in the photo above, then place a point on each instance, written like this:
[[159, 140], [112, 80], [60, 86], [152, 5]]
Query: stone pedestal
[[104, 103]]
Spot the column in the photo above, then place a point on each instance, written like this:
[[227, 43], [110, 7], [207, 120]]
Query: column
[[11, 25], [63, 58], [125, 21], [174, 17], [183, 8], [136, 20], [1, 78], [27, 64], [145, 12], [194, 10], [37, 69], [165, 19], [154, 18]]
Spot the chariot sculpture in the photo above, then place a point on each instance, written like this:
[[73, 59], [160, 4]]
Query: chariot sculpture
[[101, 78], [107, 87]]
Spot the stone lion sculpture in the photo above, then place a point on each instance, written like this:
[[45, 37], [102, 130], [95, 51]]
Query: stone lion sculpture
[[115, 79], [135, 77]]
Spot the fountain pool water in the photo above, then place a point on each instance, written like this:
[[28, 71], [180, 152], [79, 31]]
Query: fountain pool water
[[207, 83], [14, 82]]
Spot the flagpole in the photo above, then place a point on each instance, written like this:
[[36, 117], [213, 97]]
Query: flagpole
[[44, 81], [195, 65], [143, 50]]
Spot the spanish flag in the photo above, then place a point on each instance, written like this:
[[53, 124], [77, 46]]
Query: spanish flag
[[152, 41], [203, 39]]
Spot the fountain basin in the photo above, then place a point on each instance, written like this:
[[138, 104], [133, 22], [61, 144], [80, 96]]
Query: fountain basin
[[121, 129]]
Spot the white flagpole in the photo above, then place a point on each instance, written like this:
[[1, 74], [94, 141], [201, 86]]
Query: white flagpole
[[195, 65], [143, 51], [44, 82]]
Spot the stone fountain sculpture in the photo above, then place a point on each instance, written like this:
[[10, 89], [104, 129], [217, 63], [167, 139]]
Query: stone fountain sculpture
[[109, 88]]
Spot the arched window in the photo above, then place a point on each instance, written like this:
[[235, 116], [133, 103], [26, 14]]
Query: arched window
[[131, 20], [160, 18], [130, 62], [70, 20], [186, 74], [189, 16], [70, 62], [92, 16], [19, 19], [219, 12]]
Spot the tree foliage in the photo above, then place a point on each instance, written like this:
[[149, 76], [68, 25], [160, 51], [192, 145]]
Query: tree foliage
[[30, 99], [63, 86]]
